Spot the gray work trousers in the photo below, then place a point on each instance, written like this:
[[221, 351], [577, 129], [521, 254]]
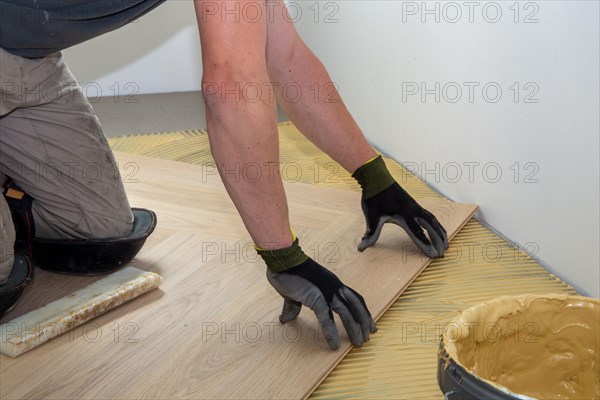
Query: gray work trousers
[[52, 146]]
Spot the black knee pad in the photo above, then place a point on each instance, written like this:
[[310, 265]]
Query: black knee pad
[[11, 290], [94, 256], [21, 274], [72, 256]]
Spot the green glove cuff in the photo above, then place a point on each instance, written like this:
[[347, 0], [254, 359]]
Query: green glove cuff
[[281, 259], [373, 177]]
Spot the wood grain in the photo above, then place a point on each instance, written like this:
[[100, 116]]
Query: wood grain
[[211, 329]]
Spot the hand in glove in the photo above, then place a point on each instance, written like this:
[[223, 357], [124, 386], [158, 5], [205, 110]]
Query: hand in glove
[[384, 201], [302, 281]]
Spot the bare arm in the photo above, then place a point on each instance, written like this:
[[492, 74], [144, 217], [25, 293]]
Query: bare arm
[[243, 131], [320, 114]]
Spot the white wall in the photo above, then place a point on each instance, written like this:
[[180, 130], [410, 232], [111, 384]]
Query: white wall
[[158, 53], [378, 51]]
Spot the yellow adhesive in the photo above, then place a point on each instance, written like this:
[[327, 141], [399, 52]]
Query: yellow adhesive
[[541, 346]]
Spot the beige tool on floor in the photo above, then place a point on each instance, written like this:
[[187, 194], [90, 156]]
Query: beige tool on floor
[[52, 320]]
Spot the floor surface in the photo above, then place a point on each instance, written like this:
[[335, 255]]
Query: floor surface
[[400, 361], [211, 330]]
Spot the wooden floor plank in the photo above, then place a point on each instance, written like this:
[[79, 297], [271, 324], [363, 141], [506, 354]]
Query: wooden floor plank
[[211, 330]]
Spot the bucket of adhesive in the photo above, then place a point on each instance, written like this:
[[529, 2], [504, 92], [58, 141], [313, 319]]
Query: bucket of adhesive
[[523, 347]]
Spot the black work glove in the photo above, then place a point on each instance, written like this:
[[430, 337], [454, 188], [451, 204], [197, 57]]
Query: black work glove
[[312, 285], [384, 201]]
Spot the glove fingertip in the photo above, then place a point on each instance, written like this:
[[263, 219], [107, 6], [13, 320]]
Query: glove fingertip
[[442, 251], [430, 252], [366, 243], [333, 339], [334, 345], [285, 319], [357, 339], [290, 311], [373, 327]]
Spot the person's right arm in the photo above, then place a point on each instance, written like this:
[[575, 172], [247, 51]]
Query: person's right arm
[[244, 139]]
